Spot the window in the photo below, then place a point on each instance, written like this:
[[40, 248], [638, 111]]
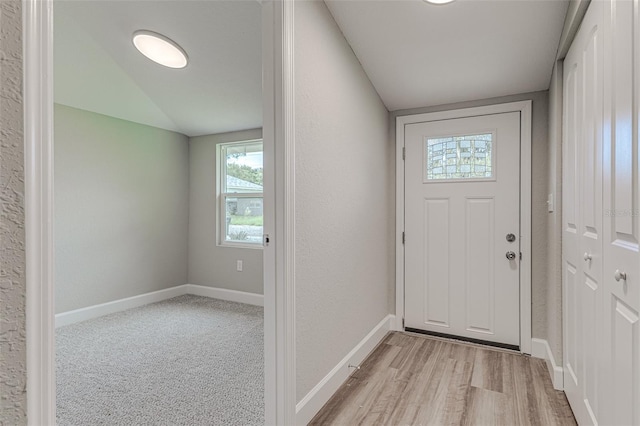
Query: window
[[240, 198], [459, 157]]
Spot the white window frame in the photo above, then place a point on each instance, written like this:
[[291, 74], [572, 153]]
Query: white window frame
[[221, 175]]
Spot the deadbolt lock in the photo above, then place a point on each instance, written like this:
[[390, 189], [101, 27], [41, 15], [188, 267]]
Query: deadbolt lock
[[511, 238]]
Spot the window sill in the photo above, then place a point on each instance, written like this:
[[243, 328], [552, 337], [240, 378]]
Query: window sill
[[241, 245]]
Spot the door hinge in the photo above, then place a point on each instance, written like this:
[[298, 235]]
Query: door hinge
[[520, 255], [403, 238], [404, 152], [403, 323]]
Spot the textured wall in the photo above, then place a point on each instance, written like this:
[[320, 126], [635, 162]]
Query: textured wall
[[539, 179], [12, 238], [121, 210], [210, 264], [343, 247]]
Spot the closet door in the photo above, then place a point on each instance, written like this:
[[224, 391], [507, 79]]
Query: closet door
[[582, 216], [621, 373]]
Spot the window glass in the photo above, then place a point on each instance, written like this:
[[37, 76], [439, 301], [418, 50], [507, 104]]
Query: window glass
[[459, 157], [241, 197]]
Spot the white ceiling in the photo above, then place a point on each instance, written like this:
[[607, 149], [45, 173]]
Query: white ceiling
[[97, 68], [417, 54]]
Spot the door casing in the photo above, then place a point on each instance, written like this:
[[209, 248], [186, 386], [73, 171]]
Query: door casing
[[524, 107], [278, 137]]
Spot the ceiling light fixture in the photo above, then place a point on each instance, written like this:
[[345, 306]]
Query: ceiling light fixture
[[438, 1], [160, 49]]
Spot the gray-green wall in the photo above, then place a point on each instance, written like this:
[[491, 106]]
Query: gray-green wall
[[343, 243], [121, 208], [209, 264]]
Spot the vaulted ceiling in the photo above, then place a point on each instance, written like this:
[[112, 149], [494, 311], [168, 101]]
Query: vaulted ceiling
[[418, 54], [98, 69], [415, 54]]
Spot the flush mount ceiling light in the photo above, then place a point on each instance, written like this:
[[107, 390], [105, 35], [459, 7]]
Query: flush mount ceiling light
[[160, 49], [438, 1]]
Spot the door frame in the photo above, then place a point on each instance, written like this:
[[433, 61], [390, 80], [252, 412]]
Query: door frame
[[278, 137], [524, 108]]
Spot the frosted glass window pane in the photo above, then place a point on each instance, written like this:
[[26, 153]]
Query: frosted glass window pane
[[459, 157]]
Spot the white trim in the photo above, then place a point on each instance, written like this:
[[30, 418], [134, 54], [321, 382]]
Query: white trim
[[278, 114], [309, 406], [540, 349], [221, 168], [225, 294], [38, 139], [95, 311], [524, 107], [279, 215]]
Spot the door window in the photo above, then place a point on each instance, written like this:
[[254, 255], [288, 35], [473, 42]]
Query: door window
[[459, 157]]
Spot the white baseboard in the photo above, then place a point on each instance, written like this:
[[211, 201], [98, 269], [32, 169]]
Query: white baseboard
[[309, 406], [95, 311], [226, 294], [540, 349]]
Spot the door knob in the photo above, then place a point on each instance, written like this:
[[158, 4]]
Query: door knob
[[587, 257], [511, 255], [511, 238], [620, 275]]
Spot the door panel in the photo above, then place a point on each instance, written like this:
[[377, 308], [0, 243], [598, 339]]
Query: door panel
[[621, 340], [625, 386], [462, 198], [436, 297], [479, 279], [582, 216], [571, 321]]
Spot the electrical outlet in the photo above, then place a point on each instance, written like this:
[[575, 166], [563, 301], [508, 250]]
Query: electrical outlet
[[239, 266]]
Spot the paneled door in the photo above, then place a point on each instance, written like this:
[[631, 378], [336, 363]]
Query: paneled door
[[582, 218], [462, 227], [621, 273]]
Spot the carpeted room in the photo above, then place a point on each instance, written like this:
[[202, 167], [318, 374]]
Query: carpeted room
[[158, 273]]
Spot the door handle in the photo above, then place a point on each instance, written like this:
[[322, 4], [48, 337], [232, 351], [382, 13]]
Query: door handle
[[620, 275], [587, 257], [511, 255]]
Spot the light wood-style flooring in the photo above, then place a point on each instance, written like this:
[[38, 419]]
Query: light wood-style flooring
[[411, 379]]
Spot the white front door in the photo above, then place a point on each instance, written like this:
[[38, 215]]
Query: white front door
[[462, 227]]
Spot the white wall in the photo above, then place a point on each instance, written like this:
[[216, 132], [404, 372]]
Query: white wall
[[539, 179], [209, 264], [121, 208], [342, 195]]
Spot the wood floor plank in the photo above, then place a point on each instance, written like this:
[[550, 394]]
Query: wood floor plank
[[359, 388], [486, 407], [488, 370], [418, 380]]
